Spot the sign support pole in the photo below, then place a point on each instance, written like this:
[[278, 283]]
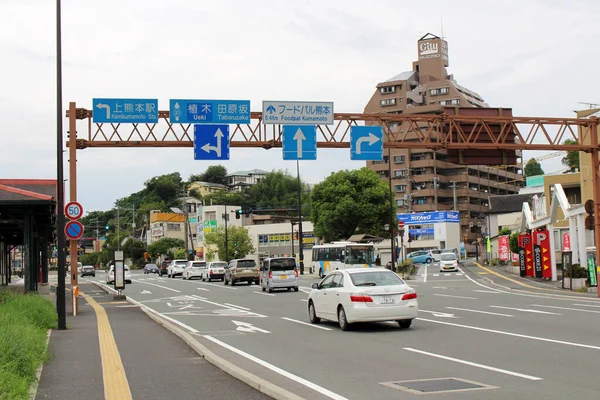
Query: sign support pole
[[595, 183], [73, 195]]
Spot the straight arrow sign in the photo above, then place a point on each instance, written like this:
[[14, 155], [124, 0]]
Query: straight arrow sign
[[248, 327], [299, 138]]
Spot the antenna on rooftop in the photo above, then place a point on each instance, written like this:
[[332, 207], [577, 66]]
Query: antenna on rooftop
[[592, 105], [442, 25]]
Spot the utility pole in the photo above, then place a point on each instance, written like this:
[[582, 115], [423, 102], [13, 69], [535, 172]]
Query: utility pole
[[226, 218], [118, 228], [454, 195], [97, 249], [133, 220], [435, 192], [300, 239], [185, 229], [394, 209]]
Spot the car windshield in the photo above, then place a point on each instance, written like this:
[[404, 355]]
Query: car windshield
[[199, 265], [246, 264], [218, 265], [283, 264], [375, 278], [448, 257], [359, 254], [180, 263]]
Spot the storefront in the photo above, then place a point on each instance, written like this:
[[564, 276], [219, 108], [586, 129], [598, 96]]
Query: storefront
[[437, 229]]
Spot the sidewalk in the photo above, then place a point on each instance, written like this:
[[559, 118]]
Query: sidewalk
[[113, 350]]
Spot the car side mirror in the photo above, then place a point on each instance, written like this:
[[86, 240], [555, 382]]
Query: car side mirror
[[315, 285]]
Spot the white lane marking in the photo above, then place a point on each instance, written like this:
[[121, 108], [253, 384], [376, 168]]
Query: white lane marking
[[203, 299], [541, 339], [445, 280], [438, 314], [425, 275], [248, 327], [205, 289], [586, 305], [567, 308], [128, 306], [303, 300], [307, 324], [528, 310], [459, 274], [161, 286], [213, 284], [479, 311], [472, 364], [304, 290], [278, 370], [456, 297], [486, 291], [233, 305], [264, 294], [440, 287], [435, 274]]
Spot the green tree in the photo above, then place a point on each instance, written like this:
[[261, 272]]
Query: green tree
[[215, 174], [504, 231], [134, 249], [513, 242], [533, 168], [239, 242], [179, 254], [90, 259], [165, 247], [350, 201], [571, 160]]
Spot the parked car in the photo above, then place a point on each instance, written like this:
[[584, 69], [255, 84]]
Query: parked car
[[164, 267], [214, 270], [151, 269], [110, 277], [448, 262], [279, 273], [88, 270], [193, 269], [176, 268], [420, 257], [362, 295], [240, 270], [435, 253]]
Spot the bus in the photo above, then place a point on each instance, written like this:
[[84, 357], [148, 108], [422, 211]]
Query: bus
[[340, 255]]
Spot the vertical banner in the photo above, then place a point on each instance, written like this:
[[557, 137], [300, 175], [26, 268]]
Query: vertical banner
[[526, 254], [503, 248], [543, 239], [566, 241], [592, 271]]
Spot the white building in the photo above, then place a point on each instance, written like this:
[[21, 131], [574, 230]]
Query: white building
[[271, 240], [428, 230], [241, 179], [209, 219]]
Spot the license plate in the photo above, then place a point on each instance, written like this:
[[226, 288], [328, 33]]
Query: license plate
[[246, 270], [282, 276], [387, 300]]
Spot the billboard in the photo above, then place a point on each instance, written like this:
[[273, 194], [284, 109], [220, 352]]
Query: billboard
[[429, 217], [503, 248], [525, 254], [542, 254]]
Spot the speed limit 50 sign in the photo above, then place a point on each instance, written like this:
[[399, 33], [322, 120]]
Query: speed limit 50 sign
[[73, 210]]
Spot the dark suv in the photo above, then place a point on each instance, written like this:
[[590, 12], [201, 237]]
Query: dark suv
[[164, 268]]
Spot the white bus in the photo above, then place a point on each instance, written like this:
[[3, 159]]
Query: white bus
[[340, 255]]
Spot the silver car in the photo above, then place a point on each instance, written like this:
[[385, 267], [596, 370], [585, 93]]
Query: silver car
[[279, 273], [176, 268]]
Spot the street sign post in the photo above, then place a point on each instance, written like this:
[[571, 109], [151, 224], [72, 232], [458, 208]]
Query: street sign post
[[73, 210], [209, 111], [366, 143], [130, 111], [211, 142], [299, 142], [297, 112], [119, 271], [74, 230]]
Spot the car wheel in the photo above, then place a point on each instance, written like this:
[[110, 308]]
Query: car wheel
[[296, 289], [405, 323], [342, 321], [312, 313], [264, 289], [232, 282], [269, 288], [428, 261]]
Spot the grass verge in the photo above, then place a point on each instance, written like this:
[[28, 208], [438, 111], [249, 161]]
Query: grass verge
[[24, 322]]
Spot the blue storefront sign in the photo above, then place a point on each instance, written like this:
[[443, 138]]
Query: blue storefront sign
[[429, 217], [426, 231]]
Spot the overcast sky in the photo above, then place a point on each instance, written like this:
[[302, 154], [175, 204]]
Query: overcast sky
[[538, 57]]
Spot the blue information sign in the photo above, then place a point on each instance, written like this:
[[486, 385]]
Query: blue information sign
[[211, 142], [299, 142], [366, 143], [130, 111], [209, 111], [429, 217]]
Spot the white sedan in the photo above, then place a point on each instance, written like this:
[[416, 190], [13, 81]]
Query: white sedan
[[214, 270], [110, 277], [193, 269], [362, 295]]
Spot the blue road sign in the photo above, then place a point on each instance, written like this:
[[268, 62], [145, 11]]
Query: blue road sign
[[211, 142], [366, 143], [299, 142], [74, 230], [298, 112], [130, 111], [209, 111]]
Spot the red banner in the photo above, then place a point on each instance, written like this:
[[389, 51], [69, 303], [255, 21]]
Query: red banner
[[542, 239], [503, 248], [526, 254], [566, 242]]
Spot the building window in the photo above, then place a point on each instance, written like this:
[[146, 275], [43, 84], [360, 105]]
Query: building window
[[388, 102], [173, 227], [400, 203], [399, 159], [420, 200], [400, 188], [387, 89], [453, 102], [399, 173], [438, 91]]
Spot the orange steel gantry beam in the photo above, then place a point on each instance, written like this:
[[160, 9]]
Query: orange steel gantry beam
[[422, 131]]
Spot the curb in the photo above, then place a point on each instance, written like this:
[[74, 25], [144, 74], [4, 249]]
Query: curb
[[38, 372], [248, 378]]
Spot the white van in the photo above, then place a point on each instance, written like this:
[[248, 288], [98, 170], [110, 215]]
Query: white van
[[279, 273]]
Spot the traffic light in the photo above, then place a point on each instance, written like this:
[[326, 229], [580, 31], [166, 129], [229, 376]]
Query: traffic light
[[589, 220], [235, 243], [238, 213], [107, 227]]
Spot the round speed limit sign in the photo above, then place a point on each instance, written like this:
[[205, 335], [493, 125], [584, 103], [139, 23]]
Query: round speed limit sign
[[73, 210]]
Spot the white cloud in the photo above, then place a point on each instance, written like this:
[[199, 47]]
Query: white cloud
[[537, 57]]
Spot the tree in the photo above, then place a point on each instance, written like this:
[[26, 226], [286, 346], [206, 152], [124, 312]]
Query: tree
[[215, 174], [165, 247], [239, 242], [134, 249], [179, 254], [513, 242], [533, 168], [351, 201], [571, 160]]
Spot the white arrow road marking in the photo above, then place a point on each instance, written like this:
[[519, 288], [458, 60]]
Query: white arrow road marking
[[106, 107], [248, 327], [299, 138], [526, 310], [439, 314], [217, 149], [145, 292], [371, 139]]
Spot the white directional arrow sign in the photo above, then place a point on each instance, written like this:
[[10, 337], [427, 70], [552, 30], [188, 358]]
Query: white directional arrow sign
[[439, 314], [217, 149], [106, 107], [145, 292], [247, 327], [299, 138], [371, 139]]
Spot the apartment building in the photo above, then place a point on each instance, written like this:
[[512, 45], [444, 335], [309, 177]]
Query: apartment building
[[425, 180], [241, 179]]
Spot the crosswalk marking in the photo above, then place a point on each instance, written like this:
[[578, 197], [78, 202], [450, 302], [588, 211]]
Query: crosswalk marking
[[457, 274]]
